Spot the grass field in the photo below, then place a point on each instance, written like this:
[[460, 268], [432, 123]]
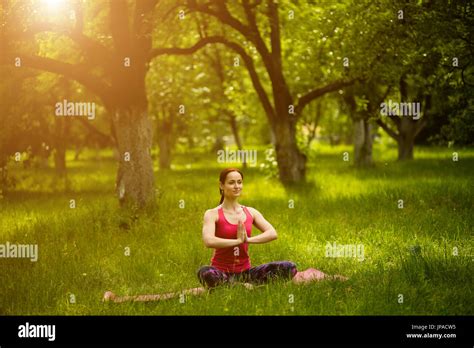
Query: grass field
[[409, 251]]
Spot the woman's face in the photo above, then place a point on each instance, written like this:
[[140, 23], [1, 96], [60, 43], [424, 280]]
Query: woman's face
[[233, 185]]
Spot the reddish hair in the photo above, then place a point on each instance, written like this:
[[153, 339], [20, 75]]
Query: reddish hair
[[223, 176]]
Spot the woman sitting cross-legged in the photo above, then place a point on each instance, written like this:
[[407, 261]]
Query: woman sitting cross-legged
[[228, 229]]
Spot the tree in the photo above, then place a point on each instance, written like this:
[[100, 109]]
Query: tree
[[282, 108], [362, 102], [435, 48], [113, 68]]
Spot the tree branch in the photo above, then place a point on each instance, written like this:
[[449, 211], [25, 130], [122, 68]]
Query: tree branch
[[184, 51], [226, 17], [119, 25], [93, 50], [70, 71], [270, 111], [372, 107], [94, 130], [222, 14], [272, 60], [252, 34], [143, 24], [255, 37], [315, 93], [387, 129], [420, 125], [236, 48], [96, 52], [275, 38]]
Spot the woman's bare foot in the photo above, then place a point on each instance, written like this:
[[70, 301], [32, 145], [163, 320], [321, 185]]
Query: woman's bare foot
[[108, 296], [308, 275], [249, 286], [312, 274]]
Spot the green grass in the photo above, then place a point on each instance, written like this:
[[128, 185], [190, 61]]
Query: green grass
[[408, 251]]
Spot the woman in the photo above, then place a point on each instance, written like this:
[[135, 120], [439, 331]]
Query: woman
[[228, 229]]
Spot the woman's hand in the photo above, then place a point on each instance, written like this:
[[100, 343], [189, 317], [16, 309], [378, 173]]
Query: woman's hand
[[241, 232]]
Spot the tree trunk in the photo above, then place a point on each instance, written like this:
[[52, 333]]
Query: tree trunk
[[165, 141], [134, 184], [406, 128], [79, 149], [165, 153], [314, 125], [362, 134], [235, 133], [60, 138], [405, 149], [362, 142], [272, 136], [3, 180], [291, 161], [406, 139], [218, 144], [60, 160]]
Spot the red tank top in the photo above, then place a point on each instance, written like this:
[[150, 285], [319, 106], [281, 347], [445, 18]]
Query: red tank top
[[233, 259]]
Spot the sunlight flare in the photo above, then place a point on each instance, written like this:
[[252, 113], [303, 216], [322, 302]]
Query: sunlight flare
[[53, 4]]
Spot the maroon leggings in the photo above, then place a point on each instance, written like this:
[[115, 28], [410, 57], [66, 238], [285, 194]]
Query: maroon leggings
[[211, 277]]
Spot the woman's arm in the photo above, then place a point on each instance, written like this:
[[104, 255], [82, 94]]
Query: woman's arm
[[268, 232], [209, 234]]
